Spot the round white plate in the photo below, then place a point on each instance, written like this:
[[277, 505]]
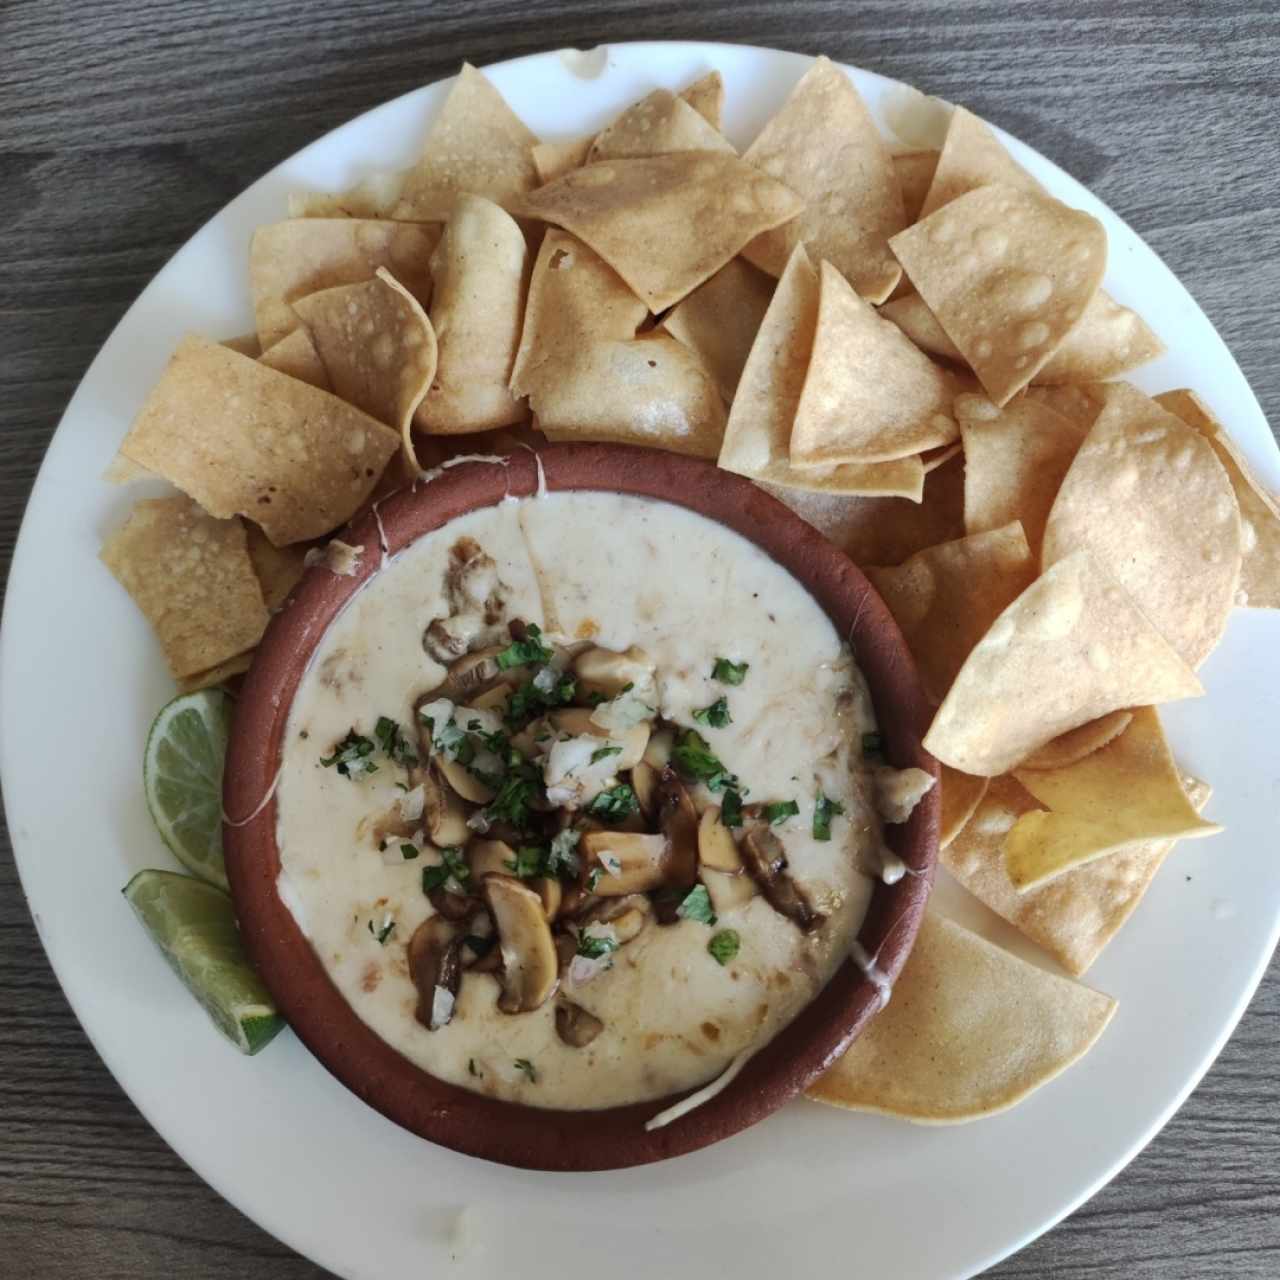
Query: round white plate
[[811, 1188]]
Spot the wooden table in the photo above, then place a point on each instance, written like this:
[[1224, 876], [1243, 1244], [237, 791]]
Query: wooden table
[[125, 124]]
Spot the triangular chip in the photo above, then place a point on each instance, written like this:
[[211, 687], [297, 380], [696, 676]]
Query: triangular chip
[[912, 315], [1259, 511], [1080, 404], [932, 459], [1015, 459], [757, 437], [378, 346], [575, 298], [477, 145], [246, 344], [278, 568], [868, 395], [915, 171], [1075, 744], [1148, 498], [972, 157], [969, 1031], [220, 674], [945, 598], [191, 576], [665, 223], [296, 355], [242, 439], [288, 260], [719, 320], [961, 795], [481, 271], [706, 96], [552, 159], [1126, 793], [375, 197], [1008, 273], [1073, 917], [824, 145], [648, 391], [1072, 647], [656, 125]]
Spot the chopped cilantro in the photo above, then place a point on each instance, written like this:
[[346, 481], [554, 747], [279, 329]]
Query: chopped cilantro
[[595, 698], [780, 811], [697, 906], [603, 753], [872, 746], [352, 756], [693, 756], [480, 946], [393, 742], [731, 808], [495, 741], [614, 804], [471, 1067], [729, 672], [520, 788], [530, 862], [594, 947], [562, 857], [716, 715], [523, 1064], [526, 652], [384, 933], [408, 852], [593, 878], [451, 866], [724, 945], [824, 810], [528, 702]]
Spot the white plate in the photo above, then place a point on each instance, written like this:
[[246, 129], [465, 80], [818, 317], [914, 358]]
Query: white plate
[[802, 1193]]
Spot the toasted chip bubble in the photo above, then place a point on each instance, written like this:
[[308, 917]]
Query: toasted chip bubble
[[969, 1031], [824, 145], [719, 320], [1008, 273], [961, 795], [1073, 917], [972, 157], [296, 355], [1149, 499], [220, 674], [656, 125], [278, 568], [1015, 459], [665, 223], [481, 270], [1071, 648], [868, 394], [192, 578], [915, 171], [476, 145], [288, 260], [1126, 793], [1259, 511], [553, 159], [374, 197], [293, 459], [1067, 748]]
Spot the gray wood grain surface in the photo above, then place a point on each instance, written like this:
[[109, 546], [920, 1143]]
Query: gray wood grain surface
[[124, 124]]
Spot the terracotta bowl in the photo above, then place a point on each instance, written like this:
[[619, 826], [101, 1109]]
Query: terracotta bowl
[[532, 1137]]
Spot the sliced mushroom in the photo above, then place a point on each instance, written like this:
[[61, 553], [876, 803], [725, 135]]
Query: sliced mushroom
[[575, 1026], [530, 968], [727, 891], [444, 815], [548, 889], [566, 948], [463, 781], [716, 846], [607, 672], [628, 861], [644, 782], [765, 859], [451, 906], [496, 699], [657, 752], [628, 915], [577, 722], [678, 820], [480, 958], [435, 967], [490, 858], [474, 674]]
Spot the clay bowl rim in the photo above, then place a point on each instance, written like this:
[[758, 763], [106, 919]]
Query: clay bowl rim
[[506, 1132]]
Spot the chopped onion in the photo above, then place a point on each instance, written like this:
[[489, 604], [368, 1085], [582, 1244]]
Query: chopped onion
[[412, 803], [442, 1000]]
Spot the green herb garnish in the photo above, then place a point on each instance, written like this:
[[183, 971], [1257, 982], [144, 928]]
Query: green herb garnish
[[562, 857], [731, 808], [528, 702], [531, 862], [823, 811], [523, 1064], [593, 947], [408, 852], [693, 756], [697, 906], [872, 746], [724, 945], [780, 811], [603, 753], [471, 1067], [451, 866], [593, 878], [352, 756], [480, 946], [520, 788], [384, 933], [526, 652], [393, 742], [729, 672], [716, 715], [615, 804]]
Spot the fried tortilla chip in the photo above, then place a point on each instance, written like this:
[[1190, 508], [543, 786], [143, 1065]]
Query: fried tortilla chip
[[575, 298], [278, 568], [868, 395], [476, 145], [374, 197], [915, 171], [1015, 459], [825, 146], [1259, 511], [719, 320], [656, 125], [554, 159], [242, 439], [945, 598], [969, 1031], [1126, 793], [665, 223], [1148, 498], [961, 795], [297, 356], [220, 674], [1075, 916], [246, 344], [288, 260], [481, 271], [1075, 744], [764, 407], [1008, 274], [191, 576], [1071, 648], [378, 346], [972, 157], [706, 96], [1080, 404]]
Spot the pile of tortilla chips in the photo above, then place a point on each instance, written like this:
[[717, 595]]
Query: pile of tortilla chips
[[913, 351]]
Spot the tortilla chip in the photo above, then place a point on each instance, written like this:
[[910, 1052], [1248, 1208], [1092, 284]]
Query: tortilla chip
[[575, 298], [122, 470], [915, 171], [932, 459], [1008, 273], [1126, 793], [476, 145], [553, 159], [246, 344], [647, 391], [296, 355], [191, 576], [868, 395], [1015, 459], [656, 125], [706, 96], [1148, 498], [1080, 403], [220, 674], [719, 320], [242, 439], [969, 1031], [1072, 647], [961, 795], [1067, 748], [378, 346], [374, 197], [757, 437], [1075, 916], [945, 598], [972, 157], [481, 270], [1259, 511], [825, 146], [278, 568], [665, 223], [288, 260]]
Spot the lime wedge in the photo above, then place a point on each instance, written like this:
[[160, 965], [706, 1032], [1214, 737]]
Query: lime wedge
[[194, 924], [182, 777]]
